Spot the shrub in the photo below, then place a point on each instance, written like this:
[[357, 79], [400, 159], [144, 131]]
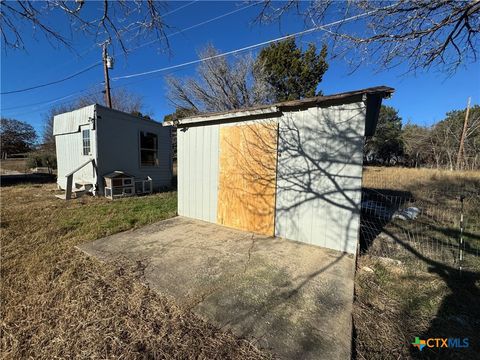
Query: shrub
[[42, 159]]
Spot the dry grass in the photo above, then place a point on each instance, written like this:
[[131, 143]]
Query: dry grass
[[58, 303], [423, 296], [390, 309], [13, 166], [406, 178], [437, 193]]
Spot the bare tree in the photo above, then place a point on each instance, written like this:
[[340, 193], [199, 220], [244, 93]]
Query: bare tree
[[122, 100], [421, 33], [121, 20], [221, 85], [417, 149]]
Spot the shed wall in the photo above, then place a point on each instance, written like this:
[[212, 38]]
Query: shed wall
[[319, 176], [198, 158], [119, 147]]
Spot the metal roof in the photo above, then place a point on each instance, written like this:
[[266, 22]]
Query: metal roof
[[70, 122], [115, 174], [327, 100]]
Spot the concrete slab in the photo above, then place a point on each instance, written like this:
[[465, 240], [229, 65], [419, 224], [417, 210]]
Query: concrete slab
[[291, 298]]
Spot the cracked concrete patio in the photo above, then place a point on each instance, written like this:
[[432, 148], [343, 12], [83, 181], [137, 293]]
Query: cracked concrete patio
[[290, 298]]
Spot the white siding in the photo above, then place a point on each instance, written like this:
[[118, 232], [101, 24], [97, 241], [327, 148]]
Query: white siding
[[69, 146], [71, 121], [198, 157], [319, 176], [118, 136]]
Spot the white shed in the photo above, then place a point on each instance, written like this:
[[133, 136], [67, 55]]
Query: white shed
[[291, 170], [94, 141]]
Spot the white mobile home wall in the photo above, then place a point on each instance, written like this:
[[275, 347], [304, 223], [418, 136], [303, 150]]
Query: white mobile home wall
[[325, 211], [69, 146]]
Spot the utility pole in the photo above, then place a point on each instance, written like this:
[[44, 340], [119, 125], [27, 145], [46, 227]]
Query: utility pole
[[461, 148], [107, 64]]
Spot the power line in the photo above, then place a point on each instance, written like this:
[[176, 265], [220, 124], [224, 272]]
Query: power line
[[137, 26], [42, 106], [95, 46], [316, 28], [180, 8], [195, 26], [82, 71], [52, 82], [48, 102], [145, 44]]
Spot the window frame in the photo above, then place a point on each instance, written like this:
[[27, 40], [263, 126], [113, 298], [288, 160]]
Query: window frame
[[154, 150], [84, 140]]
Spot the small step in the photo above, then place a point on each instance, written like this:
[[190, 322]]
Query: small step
[[82, 182], [75, 194], [83, 185]]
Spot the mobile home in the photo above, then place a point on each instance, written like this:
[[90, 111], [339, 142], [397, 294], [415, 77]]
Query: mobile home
[[95, 141]]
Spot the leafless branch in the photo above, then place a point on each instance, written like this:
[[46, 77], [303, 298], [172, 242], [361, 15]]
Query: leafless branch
[[116, 21], [221, 85], [420, 33]]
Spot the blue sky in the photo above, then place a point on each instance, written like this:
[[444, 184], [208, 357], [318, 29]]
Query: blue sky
[[422, 98]]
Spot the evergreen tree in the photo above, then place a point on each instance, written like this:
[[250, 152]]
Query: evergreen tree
[[292, 73], [16, 137], [387, 143]]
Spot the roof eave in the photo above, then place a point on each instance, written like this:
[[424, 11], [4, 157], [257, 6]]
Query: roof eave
[[324, 101], [222, 116]]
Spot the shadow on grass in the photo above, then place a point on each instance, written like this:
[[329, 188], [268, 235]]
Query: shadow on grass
[[458, 315], [39, 178]]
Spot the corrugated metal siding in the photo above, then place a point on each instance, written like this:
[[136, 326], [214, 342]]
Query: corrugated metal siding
[[70, 122], [198, 156], [319, 176], [119, 147]]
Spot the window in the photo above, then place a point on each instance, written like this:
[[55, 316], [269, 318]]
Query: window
[[86, 142], [148, 149]]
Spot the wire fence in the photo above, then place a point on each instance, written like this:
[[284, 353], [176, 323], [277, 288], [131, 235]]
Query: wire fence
[[422, 219]]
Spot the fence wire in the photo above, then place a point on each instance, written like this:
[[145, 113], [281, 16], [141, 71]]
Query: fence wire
[[414, 221]]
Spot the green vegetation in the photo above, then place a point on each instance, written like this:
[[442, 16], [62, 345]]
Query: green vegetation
[[16, 137], [387, 143], [431, 146], [292, 73]]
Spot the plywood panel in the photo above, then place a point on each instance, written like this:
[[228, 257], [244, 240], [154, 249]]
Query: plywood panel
[[246, 194]]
